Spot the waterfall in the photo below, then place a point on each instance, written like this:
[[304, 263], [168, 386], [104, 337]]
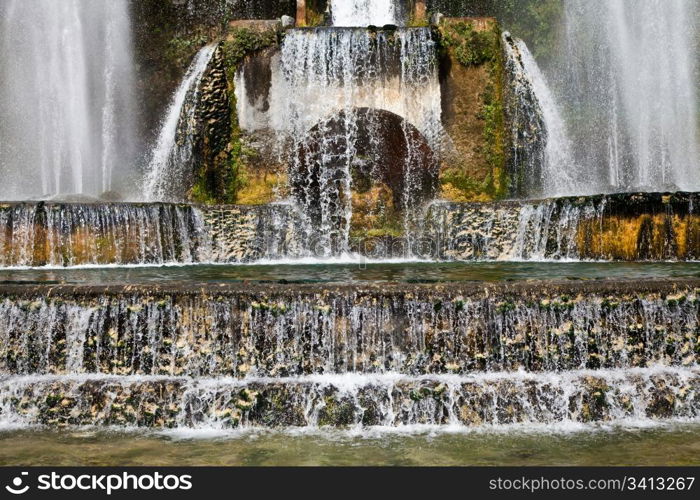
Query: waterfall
[[253, 331], [295, 356], [74, 234], [355, 13], [173, 154], [542, 150], [357, 402], [607, 227], [328, 77], [98, 234], [329, 70], [66, 99], [622, 227], [357, 115], [633, 67]]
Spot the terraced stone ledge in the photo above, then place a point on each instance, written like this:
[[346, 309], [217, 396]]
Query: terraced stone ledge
[[254, 330], [342, 401], [617, 227]]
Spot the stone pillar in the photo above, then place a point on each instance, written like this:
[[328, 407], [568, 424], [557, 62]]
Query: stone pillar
[[301, 12], [420, 12]]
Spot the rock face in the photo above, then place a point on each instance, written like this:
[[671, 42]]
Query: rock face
[[311, 12], [307, 355], [214, 114], [471, 80], [393, 170], [249, 233], [624, 227], [265, 168]]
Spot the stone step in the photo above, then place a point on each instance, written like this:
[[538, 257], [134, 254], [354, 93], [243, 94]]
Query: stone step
[[619, 227], [390, 400], [243, 330]]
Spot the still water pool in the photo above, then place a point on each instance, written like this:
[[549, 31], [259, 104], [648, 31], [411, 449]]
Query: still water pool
[[413, 272], [672, 444]]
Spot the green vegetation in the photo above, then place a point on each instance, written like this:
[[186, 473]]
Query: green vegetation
[[535, 21], [240, 43], [315, 12], [470, 46], [474, 48], [493, 115], [180, 49], [244, 41]]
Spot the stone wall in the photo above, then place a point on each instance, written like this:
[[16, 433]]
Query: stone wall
[[471, 77], [239, 233], [623, 227]]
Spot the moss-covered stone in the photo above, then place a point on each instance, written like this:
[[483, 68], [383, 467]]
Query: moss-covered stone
[[472, 75], [315, 12], [502, 399], [228, 177]]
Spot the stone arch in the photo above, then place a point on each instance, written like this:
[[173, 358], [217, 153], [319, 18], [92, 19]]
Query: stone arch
[[393, 168]]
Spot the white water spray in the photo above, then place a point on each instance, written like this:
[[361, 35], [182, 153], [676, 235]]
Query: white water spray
[[548, 166], [363, 12], [352, 70], [66, 99], [173, 151], [632, 67]]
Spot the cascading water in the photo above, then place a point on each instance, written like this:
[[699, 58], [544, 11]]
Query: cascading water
[[325, 71], [353, 70], [528, 231], [542, 161], [632, 66], [265, 332], [356, 13], [642, 396], [230, 355], [597, 227], [173, 154], [624, 227], [66, 99], [299, 356], [74, 234], [79, 234]]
